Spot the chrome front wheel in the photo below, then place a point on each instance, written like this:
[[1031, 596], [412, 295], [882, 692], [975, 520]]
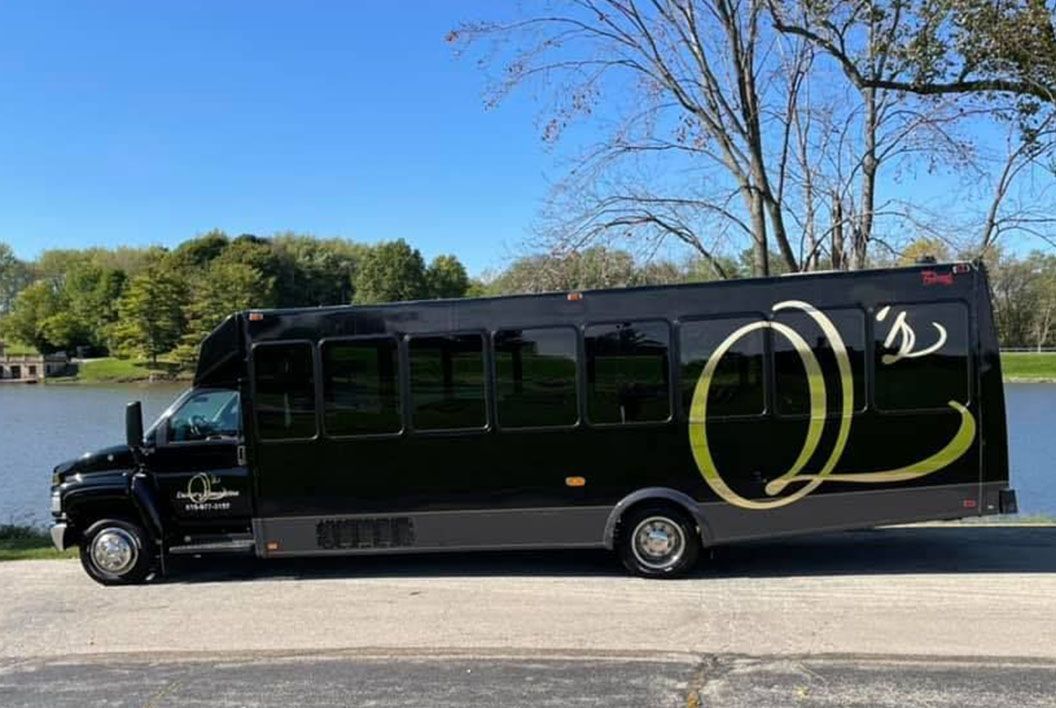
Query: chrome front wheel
[[116, 552]]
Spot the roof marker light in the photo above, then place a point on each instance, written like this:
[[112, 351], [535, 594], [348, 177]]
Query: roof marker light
[[931, 277], [575, 297], [256, 316]]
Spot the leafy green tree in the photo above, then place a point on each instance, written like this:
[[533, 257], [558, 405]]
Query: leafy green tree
[[1014, 300], [592, 268], [224, 288], [150, 314], [200, 251], [446, 278], [262, 255], [659, 272], [390, 272], [316, 272], [14, 275], [54, 265], [721, 267], [130, 260], [477, 288], [89, 297], [923, 248], [33, 306], [1043, 325], [73, 304], [64, 330]]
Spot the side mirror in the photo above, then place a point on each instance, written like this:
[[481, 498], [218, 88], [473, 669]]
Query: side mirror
[[134, 425]]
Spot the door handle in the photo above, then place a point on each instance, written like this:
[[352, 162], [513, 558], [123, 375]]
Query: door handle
[[240, 453]]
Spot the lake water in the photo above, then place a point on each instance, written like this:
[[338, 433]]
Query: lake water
[[41, 426]]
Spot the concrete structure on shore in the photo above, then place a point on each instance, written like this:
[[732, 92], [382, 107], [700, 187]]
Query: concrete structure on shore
[[32, 368]]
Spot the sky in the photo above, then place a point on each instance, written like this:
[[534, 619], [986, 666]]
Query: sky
[[132, 123], [139, 123]]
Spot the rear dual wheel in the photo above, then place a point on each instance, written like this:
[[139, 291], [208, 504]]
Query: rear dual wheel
[[117, 552], [658, 542]]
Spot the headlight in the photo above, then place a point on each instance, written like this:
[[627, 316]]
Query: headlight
[[56, 503]]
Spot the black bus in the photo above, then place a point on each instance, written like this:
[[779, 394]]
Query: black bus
[[653, 421]]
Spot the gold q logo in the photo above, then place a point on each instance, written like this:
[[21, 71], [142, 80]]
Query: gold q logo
[[698, 417]]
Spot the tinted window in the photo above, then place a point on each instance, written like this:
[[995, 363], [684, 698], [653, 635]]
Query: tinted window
[[206, 415], [737, 383], [791, 385], [285, 391], [921, 355], [535, 381], [360, 389], [447, 381], [627, 372]]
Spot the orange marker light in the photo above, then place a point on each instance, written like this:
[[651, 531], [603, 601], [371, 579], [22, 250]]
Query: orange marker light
[[575, 297], [273, 545], [575, 481], [256, 316]]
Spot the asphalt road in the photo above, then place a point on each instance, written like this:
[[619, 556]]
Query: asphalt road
[[936, 616]]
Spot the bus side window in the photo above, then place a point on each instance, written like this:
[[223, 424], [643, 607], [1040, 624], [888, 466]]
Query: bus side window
[[361, 395], [284, 380], [791, 385], [920, 355], [447, 381], [535, 377], [628, 377], [736, 386]]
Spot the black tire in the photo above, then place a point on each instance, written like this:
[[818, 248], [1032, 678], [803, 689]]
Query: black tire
[[117, 533], [664, 520]]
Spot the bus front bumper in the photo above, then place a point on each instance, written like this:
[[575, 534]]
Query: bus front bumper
[[58, 536]]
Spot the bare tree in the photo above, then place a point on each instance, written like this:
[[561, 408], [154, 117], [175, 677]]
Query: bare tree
[[784, 122], [977, 58], [699, 72], [1026, 211], [933, 47]]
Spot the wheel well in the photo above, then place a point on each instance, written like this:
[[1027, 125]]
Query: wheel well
[[655, 502], [87, 514]]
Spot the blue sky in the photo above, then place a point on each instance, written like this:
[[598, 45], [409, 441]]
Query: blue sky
[[146, 123], [141, 123]]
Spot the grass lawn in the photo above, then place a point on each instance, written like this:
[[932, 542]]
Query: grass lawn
[[114, 370], [1027, 366], [111, 370], [24, 543]]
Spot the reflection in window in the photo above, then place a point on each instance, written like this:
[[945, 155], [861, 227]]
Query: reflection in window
[[791, 385], [627, 372], [737, 383], [908, 375], [206, 415], [535, 382], [285, 391], [447, 381], [360, 390]]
